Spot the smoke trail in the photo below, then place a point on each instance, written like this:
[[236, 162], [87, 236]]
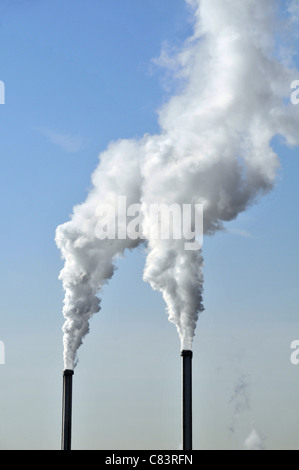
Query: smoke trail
[[240, 401], [214, 148], [241, 408]]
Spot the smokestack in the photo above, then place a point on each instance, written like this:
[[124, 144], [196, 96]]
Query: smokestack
[[187, 399], [67, 410]]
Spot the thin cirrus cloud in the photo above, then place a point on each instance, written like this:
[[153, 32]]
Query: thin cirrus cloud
[[70, 143]]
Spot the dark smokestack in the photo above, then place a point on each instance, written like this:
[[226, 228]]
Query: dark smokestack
[[187, 399], [67, 409]]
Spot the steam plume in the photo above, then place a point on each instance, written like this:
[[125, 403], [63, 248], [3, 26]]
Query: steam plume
[[254, 442], [214, 148]]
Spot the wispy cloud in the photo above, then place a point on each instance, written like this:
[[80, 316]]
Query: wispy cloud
[[240, 232], [70, 143]]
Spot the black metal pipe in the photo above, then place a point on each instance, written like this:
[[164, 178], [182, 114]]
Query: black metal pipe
[[67, 409], [187, 399]]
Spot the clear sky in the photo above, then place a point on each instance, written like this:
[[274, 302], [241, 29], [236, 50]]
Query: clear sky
[[77, 75]]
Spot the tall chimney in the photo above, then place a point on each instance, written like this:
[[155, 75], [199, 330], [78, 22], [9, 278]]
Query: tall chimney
[[187, 399], [67, 409]]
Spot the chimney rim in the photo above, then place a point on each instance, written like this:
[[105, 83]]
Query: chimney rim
[[187, 353]]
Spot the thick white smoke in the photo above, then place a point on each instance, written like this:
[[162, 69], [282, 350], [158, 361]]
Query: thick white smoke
[[214, 148]]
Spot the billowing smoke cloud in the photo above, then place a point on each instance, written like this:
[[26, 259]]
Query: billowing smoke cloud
[[214, 148]]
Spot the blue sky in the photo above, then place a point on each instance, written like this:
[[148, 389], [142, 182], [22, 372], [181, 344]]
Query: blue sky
[[78, 75]]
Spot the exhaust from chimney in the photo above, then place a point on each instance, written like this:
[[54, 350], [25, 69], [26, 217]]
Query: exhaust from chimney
[[187, 399], [67, 409]]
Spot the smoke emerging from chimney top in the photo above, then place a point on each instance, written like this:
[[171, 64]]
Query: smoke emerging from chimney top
[[254, 442], [214, 148]]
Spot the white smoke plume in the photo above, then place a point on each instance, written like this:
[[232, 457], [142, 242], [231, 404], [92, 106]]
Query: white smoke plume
[[214, 148], [254, 442]]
